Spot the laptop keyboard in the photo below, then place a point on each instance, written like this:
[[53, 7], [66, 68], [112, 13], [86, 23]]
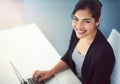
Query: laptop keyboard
[[31, 81]]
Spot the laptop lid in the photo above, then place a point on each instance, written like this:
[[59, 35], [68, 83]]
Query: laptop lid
[[19, 76]]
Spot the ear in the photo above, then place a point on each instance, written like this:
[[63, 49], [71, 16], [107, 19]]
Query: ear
[[98, 21]]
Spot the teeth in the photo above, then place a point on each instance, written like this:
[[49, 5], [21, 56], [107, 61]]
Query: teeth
[[81, 31]]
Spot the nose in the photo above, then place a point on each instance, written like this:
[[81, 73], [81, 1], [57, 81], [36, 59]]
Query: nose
[[79, 25]]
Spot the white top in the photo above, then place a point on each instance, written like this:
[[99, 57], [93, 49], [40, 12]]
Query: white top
[[78, 60]]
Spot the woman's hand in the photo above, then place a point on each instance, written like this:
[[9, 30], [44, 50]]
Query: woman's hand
[[42, 75]]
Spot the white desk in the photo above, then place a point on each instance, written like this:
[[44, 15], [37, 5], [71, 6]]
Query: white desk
[[28, 49]]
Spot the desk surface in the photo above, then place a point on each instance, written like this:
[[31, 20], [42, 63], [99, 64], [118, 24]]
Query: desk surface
[[28, 49]]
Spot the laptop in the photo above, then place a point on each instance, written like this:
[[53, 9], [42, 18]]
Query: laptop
[[30, 80]]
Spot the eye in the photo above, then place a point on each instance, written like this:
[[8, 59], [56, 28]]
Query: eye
[[75, 18], [87, 21]]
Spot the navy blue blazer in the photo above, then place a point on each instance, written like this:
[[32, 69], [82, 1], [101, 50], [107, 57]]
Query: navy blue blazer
[[99, 61]]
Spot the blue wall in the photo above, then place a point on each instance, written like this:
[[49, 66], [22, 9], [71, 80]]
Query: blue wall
[[54, 19], [110, 16]]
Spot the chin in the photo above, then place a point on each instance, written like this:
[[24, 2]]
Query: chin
[[80, 37]]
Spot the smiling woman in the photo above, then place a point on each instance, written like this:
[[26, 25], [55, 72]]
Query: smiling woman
[[89, 54]]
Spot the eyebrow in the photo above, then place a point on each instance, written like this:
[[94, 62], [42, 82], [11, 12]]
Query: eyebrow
[[87, 19], [83, 19]]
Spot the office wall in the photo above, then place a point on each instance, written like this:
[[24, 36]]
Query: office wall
[[53, 18], [110, 16]]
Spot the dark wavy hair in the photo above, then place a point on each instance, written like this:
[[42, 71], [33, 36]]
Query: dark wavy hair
[[94, 6]]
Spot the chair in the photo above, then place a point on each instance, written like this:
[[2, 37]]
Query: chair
[[114, 40]]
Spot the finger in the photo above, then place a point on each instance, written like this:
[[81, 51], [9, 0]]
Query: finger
[[42, 78], [35, 75], [39, 75]]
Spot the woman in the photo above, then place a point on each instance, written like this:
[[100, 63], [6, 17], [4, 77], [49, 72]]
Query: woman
[[89, 55]]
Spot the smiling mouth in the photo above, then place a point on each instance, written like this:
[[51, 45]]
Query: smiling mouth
[[80, 31]]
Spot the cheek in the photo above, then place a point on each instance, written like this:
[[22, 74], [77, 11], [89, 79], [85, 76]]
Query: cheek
[[73, 25], [90, 26]]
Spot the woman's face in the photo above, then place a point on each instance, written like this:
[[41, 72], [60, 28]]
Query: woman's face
[[84, 24]]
